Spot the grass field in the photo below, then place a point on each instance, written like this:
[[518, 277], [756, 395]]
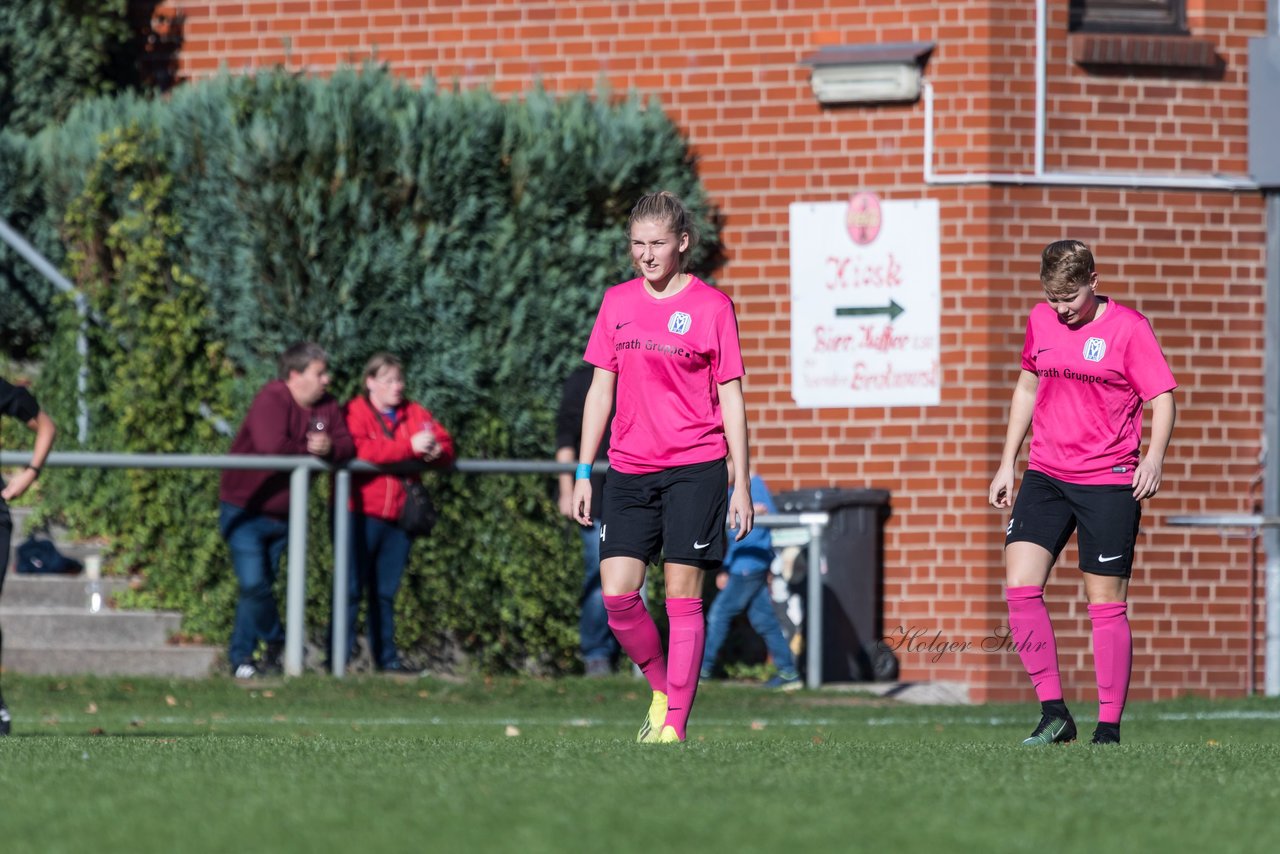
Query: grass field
[[531, 765]]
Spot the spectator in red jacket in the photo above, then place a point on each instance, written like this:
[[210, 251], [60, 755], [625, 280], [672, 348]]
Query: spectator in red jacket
[[387, 429], [290, 415]]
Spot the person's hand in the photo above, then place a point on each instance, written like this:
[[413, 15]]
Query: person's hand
[[19, 484], [566, 503], [742, 515], [581, 505], [319, 444], [1000, 493], [1147, 478], [722, 580], [424, 444]]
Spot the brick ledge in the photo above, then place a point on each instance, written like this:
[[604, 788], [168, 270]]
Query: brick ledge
[[1158, 51]]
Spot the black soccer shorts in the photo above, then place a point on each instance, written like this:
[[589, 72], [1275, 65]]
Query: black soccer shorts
[[1047, 510], [676, 514]]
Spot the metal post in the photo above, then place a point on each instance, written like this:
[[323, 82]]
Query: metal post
[[294, 629], [813, 610], [341, 569], [82, 372], [1271, 417], [1271, 442]]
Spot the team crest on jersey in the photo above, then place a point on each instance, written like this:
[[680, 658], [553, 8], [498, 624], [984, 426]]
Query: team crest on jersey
[[679, 322], [1095, 349]]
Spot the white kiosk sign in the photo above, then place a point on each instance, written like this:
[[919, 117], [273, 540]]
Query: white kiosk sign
[[865, 303]]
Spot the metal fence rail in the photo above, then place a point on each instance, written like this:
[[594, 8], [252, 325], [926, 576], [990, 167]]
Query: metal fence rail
[[1254, 525], [302, 467]]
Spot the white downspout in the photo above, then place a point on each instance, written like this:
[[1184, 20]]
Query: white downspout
[[1271, 421], [1042, 87]]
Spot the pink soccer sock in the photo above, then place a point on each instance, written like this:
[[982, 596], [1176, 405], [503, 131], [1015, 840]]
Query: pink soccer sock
[[1032, 634], [1112, 657], [638, 636], [688, 639]]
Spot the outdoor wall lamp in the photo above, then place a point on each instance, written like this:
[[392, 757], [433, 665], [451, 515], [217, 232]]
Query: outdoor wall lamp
[[868, 74]]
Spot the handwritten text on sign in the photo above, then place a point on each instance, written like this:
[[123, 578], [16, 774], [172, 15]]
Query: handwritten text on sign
[[865, 303]]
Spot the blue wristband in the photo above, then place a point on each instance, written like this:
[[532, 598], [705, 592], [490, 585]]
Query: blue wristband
[[583, 472]]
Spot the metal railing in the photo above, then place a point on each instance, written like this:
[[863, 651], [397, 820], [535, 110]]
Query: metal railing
[[46, 269], [814, 523], [1254, 525], [302, 467]]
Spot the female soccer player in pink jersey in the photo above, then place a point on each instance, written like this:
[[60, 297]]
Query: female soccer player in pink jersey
[[1088, 365], [666, 344]]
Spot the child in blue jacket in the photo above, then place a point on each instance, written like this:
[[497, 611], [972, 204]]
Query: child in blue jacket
[[745, 577]]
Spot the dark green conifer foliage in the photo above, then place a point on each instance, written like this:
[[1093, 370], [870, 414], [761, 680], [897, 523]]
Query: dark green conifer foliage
[[53, 54], [470, 235]]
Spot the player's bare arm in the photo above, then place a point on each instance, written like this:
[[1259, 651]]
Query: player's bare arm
[[1149, 474], [742, 514], [595, 417], [1000, 493], [44, 428]]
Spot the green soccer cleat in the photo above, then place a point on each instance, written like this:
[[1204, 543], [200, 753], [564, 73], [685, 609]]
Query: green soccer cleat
[[668, 736], [1051, 731], [651, 728]]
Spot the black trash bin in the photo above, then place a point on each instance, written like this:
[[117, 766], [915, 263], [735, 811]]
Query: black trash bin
[[853, 583]]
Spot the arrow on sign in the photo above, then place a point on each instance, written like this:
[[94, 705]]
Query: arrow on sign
[[892, 309]]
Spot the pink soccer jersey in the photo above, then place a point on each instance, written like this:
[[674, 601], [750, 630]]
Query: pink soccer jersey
[[670, 355], [1087, 424]]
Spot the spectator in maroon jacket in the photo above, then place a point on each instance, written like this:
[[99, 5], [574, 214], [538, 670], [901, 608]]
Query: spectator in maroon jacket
[[289, 415]]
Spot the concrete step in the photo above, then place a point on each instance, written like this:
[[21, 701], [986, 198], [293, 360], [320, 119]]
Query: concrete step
[[53, 627], [185, 662], [49, 630], [18, 517], [54, 591], [77, 550]]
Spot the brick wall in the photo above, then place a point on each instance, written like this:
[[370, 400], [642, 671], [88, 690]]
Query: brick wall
[[730, 74]]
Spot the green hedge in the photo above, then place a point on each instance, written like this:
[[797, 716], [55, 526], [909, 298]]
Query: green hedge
[[471, 235], [54, 53]]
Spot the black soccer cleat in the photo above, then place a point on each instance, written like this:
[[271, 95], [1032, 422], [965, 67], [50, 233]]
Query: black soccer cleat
[[1052, 730]]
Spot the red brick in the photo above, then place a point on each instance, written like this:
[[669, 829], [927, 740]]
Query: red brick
[[729, 74]]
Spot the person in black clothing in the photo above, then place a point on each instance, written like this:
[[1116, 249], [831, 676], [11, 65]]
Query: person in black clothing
[[18, 403], [598, 646]]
